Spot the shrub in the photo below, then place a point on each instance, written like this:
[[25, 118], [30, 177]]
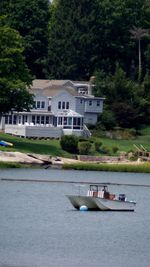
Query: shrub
[[84, 148], [105, 149], [98, 145], [82, 139], [69, 143], [115, 149]]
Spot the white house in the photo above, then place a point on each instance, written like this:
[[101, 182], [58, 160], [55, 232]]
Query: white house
[[60, 107]]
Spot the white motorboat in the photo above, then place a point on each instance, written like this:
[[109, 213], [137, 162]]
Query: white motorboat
[[98, 198]]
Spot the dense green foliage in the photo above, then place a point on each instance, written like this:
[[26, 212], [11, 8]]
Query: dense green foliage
[[14, 74], [84, 148], [85, 36], [127, 102], [69, 143], [82, 36], [30, 18], [72, 33]]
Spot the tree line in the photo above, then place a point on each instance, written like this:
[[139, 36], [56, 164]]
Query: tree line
[[69, 39]]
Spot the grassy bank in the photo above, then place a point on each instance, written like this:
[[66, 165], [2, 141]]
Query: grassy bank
[[47, 147], [16, 165], [139, 168], [126, 144], [53, 148], [5, 165]]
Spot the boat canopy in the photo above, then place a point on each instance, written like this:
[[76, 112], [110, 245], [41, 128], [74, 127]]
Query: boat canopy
[[98, 187]]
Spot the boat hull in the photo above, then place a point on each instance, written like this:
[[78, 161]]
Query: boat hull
[[101, 204]]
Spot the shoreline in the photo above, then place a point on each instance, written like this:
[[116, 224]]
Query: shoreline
[[29, 160]]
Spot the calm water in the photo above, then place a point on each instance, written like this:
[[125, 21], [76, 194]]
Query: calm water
[[39, 227]]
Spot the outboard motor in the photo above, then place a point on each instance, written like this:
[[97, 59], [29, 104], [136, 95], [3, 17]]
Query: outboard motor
[[122, 197]]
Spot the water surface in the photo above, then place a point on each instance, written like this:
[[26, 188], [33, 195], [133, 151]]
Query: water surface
[[39, 227]]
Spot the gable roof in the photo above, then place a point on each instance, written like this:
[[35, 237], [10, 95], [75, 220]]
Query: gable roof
[[43, 84], [55, 90], [51, 88]]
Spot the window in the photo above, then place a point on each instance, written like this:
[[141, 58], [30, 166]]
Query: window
[[42, 104], [78, 121], [38, 119], [14, 119], [24, 119], [19, 119], [98, 103], [90, 102], [33, 119], [42, 119], [6, 119], [63, 105], [59, 120], [49, 108], [10, 119], [47, 119], [81, 101], [65, 120], [74, 121], [38, 104], [67, 105], [59, 105], [69, 121], [34, 104]]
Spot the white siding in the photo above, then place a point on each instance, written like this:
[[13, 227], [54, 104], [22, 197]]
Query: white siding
[[2, 123], [16, 130], [90, 118], [80, 106], [63, 97], [91, 105], [41, 98], [34, 131]]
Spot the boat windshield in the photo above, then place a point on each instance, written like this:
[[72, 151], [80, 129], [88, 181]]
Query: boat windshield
[[96, 188]]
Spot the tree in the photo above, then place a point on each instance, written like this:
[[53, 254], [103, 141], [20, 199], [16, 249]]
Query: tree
[[86, 35], [121, 104], [14, 74], [138, 34], [71, 39], [30, 19], [144, 101]]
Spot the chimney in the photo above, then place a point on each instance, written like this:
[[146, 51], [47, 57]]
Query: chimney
[[91, 84]]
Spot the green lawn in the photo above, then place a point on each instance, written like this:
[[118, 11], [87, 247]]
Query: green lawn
[[52, 147], [127, 145]]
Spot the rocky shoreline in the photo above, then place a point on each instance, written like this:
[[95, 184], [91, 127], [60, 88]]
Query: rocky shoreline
[[34, 159], [47, 160]]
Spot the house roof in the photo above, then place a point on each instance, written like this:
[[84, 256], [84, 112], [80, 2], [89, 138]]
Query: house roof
[[54, 90], [51, 88], [43, 84], [68, 113]]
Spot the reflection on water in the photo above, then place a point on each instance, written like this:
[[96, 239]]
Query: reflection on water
[[39, 227]]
